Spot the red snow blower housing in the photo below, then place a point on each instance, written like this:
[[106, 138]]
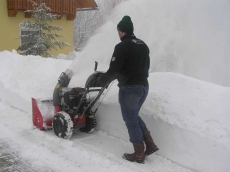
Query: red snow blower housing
[[70, 107]]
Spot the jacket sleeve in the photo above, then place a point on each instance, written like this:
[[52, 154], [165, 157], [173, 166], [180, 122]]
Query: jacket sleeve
[[116, 64]]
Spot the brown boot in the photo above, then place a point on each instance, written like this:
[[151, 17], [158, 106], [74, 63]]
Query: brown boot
[[150, 145], [138, 155]]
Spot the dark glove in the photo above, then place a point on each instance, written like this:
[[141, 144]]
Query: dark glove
[[98, 80], [102, 81]]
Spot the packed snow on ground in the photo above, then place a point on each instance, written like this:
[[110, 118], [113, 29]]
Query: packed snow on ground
[[188, 118]]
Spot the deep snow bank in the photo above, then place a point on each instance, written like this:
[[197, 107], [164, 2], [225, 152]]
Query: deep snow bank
[[27, 77], [187, 117]]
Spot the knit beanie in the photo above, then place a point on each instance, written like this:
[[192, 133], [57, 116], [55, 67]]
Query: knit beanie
[[125, 25]]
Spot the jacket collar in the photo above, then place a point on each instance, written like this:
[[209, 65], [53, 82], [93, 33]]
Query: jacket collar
[[128, 36]]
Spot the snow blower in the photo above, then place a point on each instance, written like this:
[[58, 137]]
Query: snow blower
[[70, 107]]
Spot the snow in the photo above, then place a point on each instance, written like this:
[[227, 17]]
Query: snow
[[187, 117]]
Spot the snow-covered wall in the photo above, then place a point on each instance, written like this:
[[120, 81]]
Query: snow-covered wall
[[188, 118], [185, 147]]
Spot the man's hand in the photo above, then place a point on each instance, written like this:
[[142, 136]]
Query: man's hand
[[100, 81]]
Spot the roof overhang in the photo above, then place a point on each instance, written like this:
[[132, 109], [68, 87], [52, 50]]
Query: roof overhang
[[61, 7]]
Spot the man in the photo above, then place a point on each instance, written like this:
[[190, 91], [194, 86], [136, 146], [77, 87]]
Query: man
[[130, 65]]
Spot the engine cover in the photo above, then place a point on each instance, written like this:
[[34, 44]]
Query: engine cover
[[71, 97]]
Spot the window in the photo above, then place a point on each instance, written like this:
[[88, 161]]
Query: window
[[26, 31]]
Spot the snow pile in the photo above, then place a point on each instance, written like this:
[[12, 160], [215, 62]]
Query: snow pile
[[188, 118], [26, 76], [190, 104]]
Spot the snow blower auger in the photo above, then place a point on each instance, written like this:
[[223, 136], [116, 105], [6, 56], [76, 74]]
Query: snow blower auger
[[70, 107]]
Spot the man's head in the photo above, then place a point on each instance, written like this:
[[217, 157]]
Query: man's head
[[125, 26]]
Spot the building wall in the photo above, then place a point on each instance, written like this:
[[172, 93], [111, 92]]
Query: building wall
[[9, 30]]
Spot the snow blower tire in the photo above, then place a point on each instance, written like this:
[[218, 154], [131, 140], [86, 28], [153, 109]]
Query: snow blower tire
[[62, 125]]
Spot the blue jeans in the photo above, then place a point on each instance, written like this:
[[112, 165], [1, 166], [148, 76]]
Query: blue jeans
[[131, 99]]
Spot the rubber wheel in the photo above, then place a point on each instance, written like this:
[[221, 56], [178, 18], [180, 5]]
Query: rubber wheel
[[90, 125], [62, 125]]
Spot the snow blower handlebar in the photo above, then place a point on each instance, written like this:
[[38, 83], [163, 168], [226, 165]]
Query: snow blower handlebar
[[88, 109], [95, 68]]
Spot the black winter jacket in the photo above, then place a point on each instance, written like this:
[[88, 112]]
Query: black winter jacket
[[129, 63]]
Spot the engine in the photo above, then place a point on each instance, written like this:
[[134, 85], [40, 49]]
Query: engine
[[73, 100]]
